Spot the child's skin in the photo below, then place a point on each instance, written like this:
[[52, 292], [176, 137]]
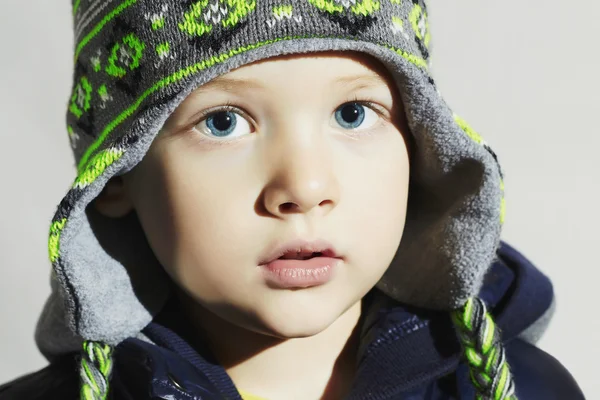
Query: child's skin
[[214, 205]]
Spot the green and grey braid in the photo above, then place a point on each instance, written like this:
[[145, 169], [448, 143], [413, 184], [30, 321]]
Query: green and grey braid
[[484, 352], [95, 370]]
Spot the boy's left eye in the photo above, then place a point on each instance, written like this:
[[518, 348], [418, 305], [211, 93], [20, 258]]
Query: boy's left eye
[[355, 115], [224, 124]]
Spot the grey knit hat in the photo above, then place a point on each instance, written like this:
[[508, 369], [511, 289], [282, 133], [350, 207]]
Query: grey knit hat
[[137, 60]]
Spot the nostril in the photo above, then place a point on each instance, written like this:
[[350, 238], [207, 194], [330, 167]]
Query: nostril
[[287, 207]]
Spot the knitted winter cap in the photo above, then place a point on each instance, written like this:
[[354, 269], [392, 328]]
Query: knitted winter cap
[[137, 60]]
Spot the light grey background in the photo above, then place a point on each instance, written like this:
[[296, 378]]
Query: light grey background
[[524, 74]]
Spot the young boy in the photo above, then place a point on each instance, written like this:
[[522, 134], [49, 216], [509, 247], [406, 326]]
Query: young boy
[[274, 202]]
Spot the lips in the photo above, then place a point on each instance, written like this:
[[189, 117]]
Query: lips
[[300, 249], [300, 264]]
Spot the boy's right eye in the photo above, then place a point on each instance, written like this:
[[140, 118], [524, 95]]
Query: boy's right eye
[[224, 124]]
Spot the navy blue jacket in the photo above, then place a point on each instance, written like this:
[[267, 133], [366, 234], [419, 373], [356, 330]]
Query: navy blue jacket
[[408, 354]]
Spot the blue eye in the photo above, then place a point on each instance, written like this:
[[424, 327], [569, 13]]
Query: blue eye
[[224, 124], [353, 115]]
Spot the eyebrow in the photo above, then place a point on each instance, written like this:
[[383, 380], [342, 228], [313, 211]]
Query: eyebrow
[[234, 84], [361, 81], [230, 84]]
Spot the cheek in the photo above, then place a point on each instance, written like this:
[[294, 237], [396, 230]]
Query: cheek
[[378, 187], [193, 219]]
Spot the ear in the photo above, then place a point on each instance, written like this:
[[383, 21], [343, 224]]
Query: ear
[[114, 201]]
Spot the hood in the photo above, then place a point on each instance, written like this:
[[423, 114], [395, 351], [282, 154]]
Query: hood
[[135, 61]]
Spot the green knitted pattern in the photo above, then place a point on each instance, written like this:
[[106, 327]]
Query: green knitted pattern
[[109, 53], [201, 19], [364, 7], [98, 28], [97, 166], [54, 237]]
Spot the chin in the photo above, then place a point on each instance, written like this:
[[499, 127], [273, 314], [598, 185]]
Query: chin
[[298, 322], [293, 331], [286, 331]]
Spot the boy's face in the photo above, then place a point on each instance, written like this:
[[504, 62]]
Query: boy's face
[[307, 148]]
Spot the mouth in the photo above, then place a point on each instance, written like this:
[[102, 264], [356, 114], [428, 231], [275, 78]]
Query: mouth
[[300, 264], [304, 255], [300, 250]]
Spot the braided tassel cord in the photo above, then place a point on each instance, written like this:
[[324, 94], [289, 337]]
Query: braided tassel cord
[[95, 369], [484, 352]]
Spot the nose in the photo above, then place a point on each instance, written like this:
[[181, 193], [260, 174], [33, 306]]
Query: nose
[[303, 179]]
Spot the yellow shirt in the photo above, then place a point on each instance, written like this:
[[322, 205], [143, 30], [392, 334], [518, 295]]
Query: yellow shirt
[[248, 396]]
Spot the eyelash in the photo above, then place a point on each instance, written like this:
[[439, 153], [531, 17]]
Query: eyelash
[[368, 102], [227, 107]]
